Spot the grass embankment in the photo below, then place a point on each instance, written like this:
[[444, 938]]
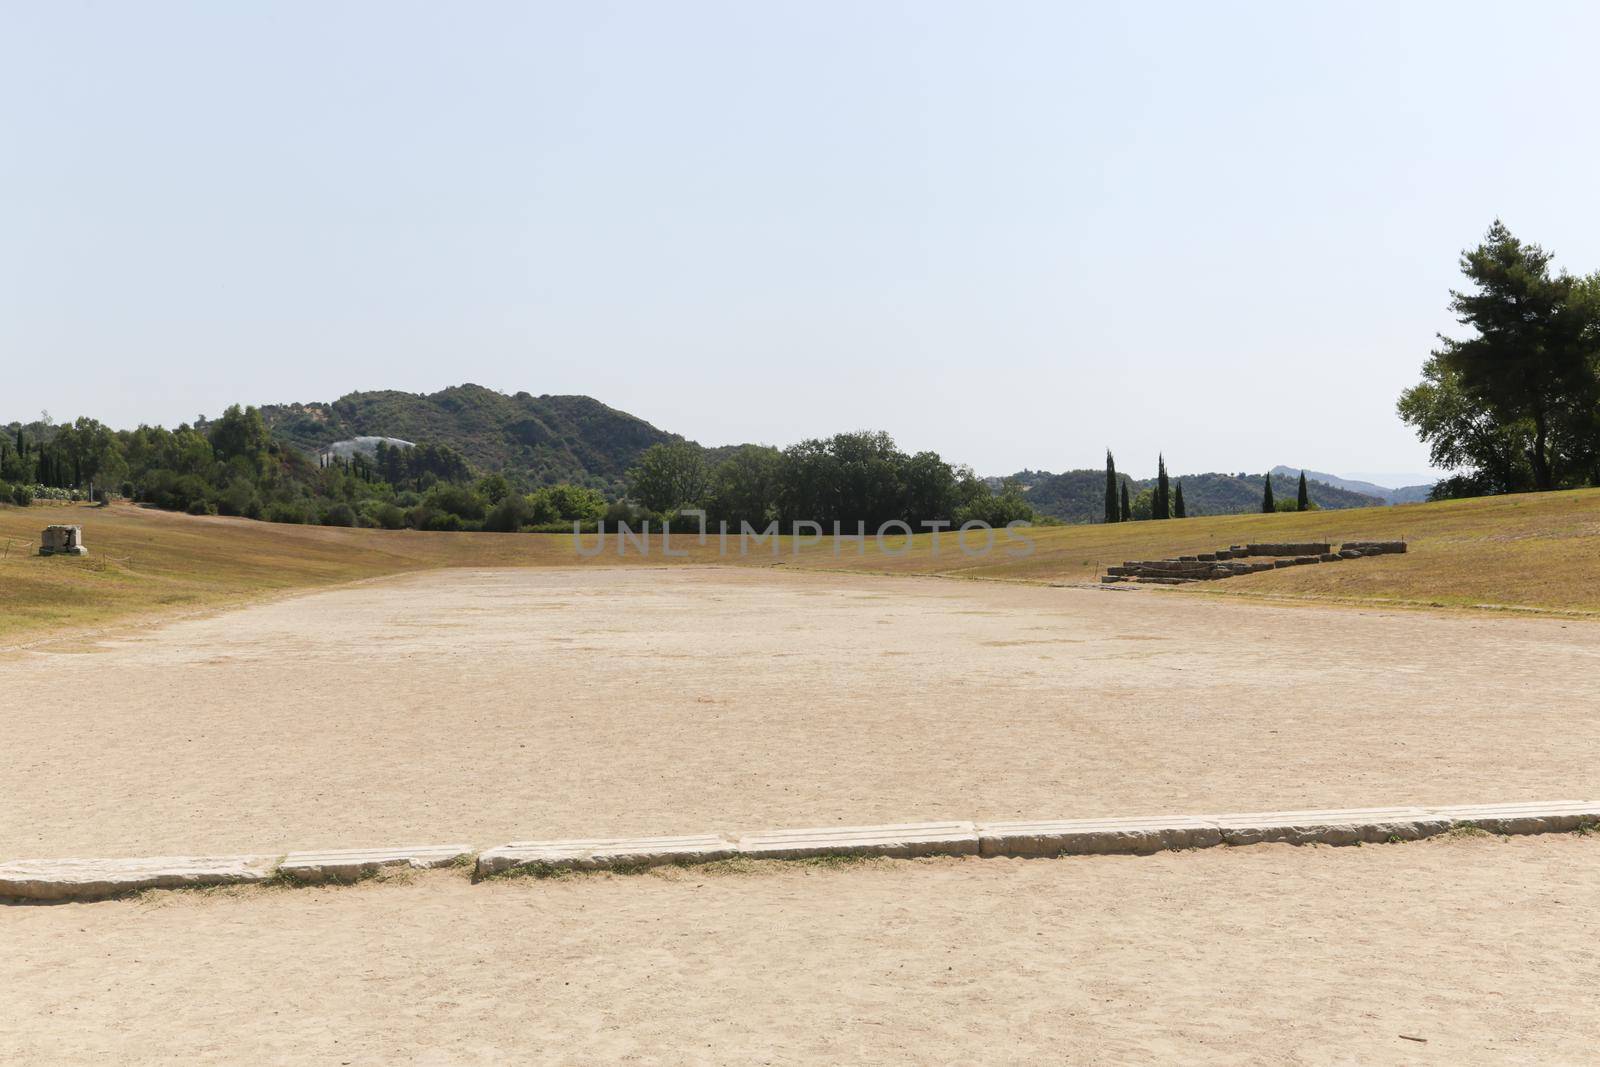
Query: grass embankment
[[1537, 552]]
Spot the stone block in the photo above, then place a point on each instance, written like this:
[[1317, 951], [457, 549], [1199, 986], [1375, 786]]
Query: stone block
[[1071, 837], [1551, 817], [899, 841], [92, 879], [1331, 827], [604, 853], [351, 864], [1329, 557]]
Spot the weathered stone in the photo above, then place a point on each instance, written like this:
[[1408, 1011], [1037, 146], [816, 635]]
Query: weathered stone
[[1207, 557], [1551, 817], [1332, 827], [1111, 579], [1329, 557], [1069, 837], [1350, 553], [352, 864], [91, 879], [901, 841], [1376, 548], [1309, 548], [62, 541], [1283, 563], [602, 853]]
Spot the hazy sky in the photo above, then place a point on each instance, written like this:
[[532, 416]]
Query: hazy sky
[[1016, 233]]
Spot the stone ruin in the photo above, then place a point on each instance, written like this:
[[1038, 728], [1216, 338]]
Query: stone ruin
[[62, 541], [1243, 559]]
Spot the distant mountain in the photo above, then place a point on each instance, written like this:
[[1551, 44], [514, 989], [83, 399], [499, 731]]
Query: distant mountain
[[1079, 495], [1409, 494], [534, 440]]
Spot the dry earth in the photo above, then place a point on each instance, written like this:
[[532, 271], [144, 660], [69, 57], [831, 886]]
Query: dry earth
[[490, 705], [1484, 949]]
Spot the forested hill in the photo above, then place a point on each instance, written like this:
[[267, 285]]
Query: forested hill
[[535, 440], [1079, 495]]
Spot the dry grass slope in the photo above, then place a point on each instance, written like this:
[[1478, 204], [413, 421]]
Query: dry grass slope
[[1532, 552]]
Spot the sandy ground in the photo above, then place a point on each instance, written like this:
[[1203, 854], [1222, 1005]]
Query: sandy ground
[[487, 706], [1485, 948]]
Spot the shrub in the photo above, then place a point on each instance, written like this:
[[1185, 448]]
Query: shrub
[[201, 507], [21, 495], [341, 514], [285, 511], [5, 493]]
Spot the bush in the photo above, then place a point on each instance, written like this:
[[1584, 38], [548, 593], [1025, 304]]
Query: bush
[[21, 496], [285, 511], [340, 514], [201, 507], [5, 493], [382, 515]]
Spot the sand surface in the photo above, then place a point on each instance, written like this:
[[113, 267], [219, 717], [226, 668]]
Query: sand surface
[[488, 706], [1485, 948]]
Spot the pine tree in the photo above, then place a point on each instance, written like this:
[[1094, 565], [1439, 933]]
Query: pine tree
[[1112, 514], [1303, 502], [1177, 502], [1127, 508], [1268, 505], [1163, 502]]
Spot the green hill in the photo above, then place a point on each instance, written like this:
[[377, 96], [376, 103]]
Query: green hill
[[1079, 495], [534, 440]]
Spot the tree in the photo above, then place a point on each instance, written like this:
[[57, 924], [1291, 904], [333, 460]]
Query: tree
[[1127, 509], [1303, 499], [240, 432], [1531, 373], [1178, 511], [1268, 505], [1144, 505], [1163, 497], [668, 477], [1113, 513]]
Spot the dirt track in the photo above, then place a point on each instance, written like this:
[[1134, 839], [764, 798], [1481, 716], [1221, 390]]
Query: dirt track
[[485, 706], [1484, 948]]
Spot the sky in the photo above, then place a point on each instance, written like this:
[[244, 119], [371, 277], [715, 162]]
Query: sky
[[1016, 234]]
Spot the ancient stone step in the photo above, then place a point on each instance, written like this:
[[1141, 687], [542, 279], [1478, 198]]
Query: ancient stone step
[[902, 841], [1068, 837], [603, 853], [92, 879], [1347, 826], [1376, 548], [352, 864], [1559, 816]]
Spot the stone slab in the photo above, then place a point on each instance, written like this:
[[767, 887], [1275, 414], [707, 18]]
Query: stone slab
[[351, 864], [1346, 826], [1551, 817], [899, 841], [1091, 837], [93, 879], [605, 853]]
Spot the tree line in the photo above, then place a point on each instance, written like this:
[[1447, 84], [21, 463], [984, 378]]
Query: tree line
[[1164, 499], [1513, 406], [232, 466], [848, 478]]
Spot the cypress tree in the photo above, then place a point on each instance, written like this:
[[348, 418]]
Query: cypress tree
[[1162, 505], [1112, 514], [1177, 502], [1303, 502], [1127, 509], [1268, 505]]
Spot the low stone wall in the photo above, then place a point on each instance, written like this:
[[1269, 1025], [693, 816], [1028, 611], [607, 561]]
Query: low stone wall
[[1242, 559]]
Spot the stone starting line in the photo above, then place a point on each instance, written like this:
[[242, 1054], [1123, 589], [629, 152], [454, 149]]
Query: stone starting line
[[89, 879]]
